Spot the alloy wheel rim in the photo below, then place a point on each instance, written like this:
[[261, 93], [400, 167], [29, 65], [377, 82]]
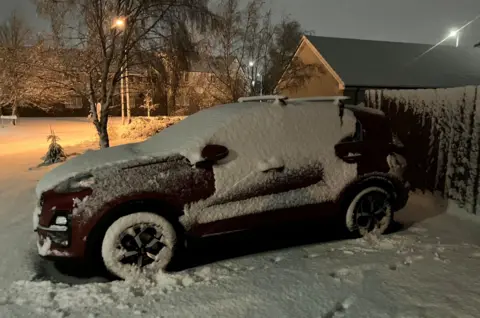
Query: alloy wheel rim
[[140, 245], [371, 210]]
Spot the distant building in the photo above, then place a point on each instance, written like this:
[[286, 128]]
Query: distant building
[[203, 83], [351, 66]]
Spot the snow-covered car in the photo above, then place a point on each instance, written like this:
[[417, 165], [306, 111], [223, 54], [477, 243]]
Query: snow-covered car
[[222, 169]]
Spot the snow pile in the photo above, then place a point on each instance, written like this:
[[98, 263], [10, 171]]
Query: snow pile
[[144, 127], [45, 296], [44, 249]]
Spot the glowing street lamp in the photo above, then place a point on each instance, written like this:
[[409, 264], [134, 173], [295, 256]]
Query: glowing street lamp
[[119, 23], [455, 34], [252, 77]]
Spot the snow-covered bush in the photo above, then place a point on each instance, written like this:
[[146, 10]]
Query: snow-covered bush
[[55, 152], [144, 127], [440, 129]]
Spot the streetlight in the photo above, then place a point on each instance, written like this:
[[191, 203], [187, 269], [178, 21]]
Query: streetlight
[[261, 83], [252, 88], [120, 23], [455, 34]]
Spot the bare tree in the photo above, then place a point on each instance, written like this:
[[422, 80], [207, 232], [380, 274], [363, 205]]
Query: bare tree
[[98, 38], [282, 64], [21, 72], [248, 54], [229, 49]]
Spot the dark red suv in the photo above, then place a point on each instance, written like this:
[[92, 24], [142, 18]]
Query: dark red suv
[[226, 168]]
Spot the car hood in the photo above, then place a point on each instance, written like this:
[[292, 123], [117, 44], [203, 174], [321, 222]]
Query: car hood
[[118, 156]]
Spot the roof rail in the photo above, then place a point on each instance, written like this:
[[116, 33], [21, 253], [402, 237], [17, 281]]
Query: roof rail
[[335, 99], [277, 98]]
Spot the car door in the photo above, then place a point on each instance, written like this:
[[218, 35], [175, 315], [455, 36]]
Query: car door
[[315, 129], [259, 174]]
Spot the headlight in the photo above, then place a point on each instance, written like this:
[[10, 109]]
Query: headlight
[[61, 220], [76, 184]]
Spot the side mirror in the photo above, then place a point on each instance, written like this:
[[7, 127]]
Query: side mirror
[[211, 154]]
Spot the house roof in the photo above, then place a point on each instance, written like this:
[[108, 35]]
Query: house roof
[[366, 63]]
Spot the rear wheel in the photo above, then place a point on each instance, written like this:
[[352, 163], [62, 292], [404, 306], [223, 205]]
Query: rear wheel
[[370, 211], [138, 244]]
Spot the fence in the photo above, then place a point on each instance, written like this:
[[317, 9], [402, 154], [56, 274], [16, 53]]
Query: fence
[[441, 131]]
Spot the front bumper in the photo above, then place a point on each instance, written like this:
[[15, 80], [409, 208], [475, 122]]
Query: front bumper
[[54, 241], [59, 234]]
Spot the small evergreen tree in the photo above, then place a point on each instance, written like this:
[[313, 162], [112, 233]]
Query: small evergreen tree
[[55, 152]]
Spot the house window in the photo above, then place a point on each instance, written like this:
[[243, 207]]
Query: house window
[[186, 77]]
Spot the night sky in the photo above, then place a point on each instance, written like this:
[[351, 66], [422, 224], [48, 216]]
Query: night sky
[[420, 21]]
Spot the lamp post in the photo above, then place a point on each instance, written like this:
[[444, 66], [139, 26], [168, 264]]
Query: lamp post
[[120, 23], [261, 83], [252, 77], [455, 34]]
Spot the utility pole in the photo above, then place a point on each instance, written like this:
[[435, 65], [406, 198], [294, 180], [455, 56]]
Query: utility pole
[[122, 97], [127, 93]]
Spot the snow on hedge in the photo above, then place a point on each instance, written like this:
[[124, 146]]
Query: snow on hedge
[[454, 114], [145, 127]]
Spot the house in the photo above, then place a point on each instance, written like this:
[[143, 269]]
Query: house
[[351, 66], [209, 80]]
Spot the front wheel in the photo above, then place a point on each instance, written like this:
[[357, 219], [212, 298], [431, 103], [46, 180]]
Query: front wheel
[[369, 212], [138, 244]]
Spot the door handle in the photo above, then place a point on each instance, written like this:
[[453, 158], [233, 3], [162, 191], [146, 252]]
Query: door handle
[[272, 165], [276, 169]]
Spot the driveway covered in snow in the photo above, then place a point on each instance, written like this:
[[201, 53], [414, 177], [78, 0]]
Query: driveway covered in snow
[[428, 269]]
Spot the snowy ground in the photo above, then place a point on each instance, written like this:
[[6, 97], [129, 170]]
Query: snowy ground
[[428, 269], [31, 133]]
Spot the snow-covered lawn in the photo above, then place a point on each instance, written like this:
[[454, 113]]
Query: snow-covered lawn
[[31, 133], [430, 269]]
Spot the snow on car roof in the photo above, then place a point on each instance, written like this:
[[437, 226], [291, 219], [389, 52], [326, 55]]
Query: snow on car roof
[[196, 129]]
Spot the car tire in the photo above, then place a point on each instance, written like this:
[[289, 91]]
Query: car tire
[[369, 211], [138, 245]]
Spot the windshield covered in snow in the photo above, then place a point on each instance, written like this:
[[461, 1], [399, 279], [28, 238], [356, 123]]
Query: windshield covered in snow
[[196, 129]]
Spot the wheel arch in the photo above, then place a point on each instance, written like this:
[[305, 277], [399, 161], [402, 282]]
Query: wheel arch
[[386, 181]]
